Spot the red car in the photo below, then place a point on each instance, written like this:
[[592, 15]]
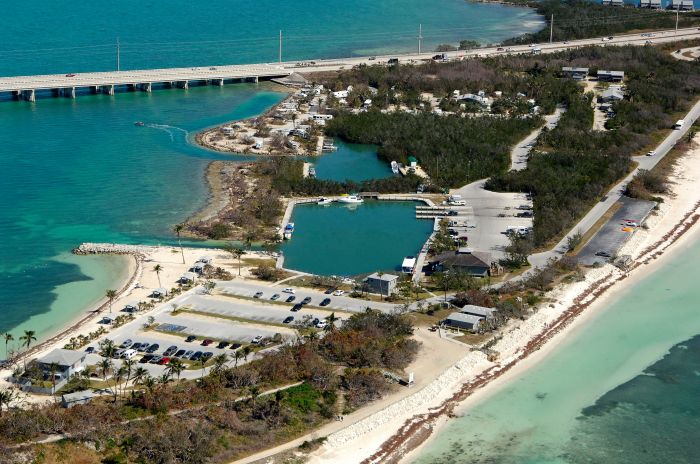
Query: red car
[[207, 342], [164, 360]]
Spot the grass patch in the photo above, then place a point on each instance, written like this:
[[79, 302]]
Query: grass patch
[[472, 338], [234, 318]]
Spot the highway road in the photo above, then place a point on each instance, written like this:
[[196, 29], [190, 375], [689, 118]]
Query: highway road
[[214, 72]]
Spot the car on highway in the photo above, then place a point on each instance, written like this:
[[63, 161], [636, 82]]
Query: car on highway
[[288, 290], [257, 339], [605, 39], [500, 49], [393, 61], [191, 338], [297, 307], [326, 302], [222, 345], [70, 75], [153, 348], [275, 297], [339, 293], [651, 153], [603, 254], [306, 300], [372, 58], [291, 298], [288, 319], [258, 295]]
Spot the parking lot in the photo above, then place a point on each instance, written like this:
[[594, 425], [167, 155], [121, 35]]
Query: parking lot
[[614, 233], [248, 289], [489, 215]]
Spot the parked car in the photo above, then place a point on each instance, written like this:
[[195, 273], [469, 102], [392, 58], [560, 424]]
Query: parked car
[[329, 291], [144, 346], [171, 349], [297, 307], [291, 298], [322, 324], [603, 254], [288, 290], [126, 343], [119, 352], [258, 295], [190, 338], [179, 353], [90, 349], [206, 355], [129, 354], [222, 345], [257, 339], [339, 293], [274, 297], [326, 302], [136, 346], [207, 342], [164, 360], [188, 354], [197, 356], [155, 359], [153, 348], [288, 319], [146, 358], [306, 300], [235, 346]]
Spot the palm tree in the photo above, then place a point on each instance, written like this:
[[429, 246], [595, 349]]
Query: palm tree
[[175, 368], [8, 338], [157, 268], [128, 365], [249, 239], [254, 393], [381, 284], [331, 320], [111, 295], [202, 362], [178, 230], [236, 252], [220, 361], [165, 378], [7, 397], [27, 339], [140, 375], [105, 366], [149, 382], [246, 351], [108, 348], [236, 356], [54, 370]]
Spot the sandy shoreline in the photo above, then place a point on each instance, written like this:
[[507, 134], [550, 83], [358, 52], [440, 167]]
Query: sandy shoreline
[[398, 434]]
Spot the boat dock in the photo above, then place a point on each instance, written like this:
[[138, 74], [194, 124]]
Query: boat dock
[[436, 212]]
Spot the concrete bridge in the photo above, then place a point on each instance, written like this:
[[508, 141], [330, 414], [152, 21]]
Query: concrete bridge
[[67, 85]]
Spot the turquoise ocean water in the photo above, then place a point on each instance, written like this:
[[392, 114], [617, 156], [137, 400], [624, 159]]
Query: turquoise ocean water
[[623, 389], [78, 170]]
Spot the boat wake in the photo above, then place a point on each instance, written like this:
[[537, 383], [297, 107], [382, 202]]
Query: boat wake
[[171, 130]]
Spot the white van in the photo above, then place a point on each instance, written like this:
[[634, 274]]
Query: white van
[[679, 124], [128, 354]]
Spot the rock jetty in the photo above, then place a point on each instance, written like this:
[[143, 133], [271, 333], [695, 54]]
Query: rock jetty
[[113, 249]]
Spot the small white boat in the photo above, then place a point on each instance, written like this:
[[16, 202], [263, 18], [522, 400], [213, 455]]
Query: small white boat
[[350, 199], [288, 231], [394, 167], [324, 201], [312, 172]]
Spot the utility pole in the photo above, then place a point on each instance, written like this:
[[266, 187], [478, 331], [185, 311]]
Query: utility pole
[[551, 28], [279, 57], [118, 55], [677, 13], [420, 37]]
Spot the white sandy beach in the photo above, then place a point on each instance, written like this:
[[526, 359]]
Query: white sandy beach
[[361, 440]]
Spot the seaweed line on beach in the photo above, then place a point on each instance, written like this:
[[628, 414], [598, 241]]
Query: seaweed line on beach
[[419, 428]]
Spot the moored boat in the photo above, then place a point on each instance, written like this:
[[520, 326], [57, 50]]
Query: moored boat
[[350, 199], [324, 201], [394, 167], [288, 231]]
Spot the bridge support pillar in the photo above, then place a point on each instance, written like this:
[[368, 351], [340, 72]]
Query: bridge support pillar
[[69, 92], [95, 89], [16, 94], [256, 79], [108, 89], [220, 82], [29, 95], [146, 87], [184, 84]]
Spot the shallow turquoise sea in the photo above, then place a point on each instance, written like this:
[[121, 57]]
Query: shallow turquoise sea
[[79, 170], [623, 389]]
